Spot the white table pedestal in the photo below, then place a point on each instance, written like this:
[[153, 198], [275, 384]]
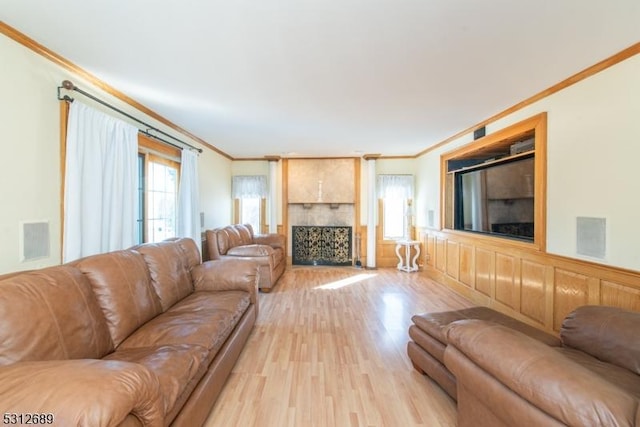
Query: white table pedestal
[[406, 263]]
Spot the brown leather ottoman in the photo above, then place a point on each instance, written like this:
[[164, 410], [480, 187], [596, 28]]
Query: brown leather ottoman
[[428, 334]]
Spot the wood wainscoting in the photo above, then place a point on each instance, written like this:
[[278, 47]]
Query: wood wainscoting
[[386, 256], [535, 287]]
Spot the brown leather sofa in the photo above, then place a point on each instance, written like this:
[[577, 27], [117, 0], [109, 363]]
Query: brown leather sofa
[[429, 340], [238, 241], [506, 378], [139, 337]]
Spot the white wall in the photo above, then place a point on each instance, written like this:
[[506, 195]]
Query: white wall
[[30, 183], [593, 151], [250, 167], [215, 189], [395, 166]]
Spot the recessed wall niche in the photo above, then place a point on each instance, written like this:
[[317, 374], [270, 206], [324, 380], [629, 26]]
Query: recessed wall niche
[[495, 187]]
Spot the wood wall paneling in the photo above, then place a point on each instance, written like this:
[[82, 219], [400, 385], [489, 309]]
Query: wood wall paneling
[[363, 244], [484, 272], [453, 259], [571, 290], [618, 295], [535, 287], [533, 290], [441, 256], [507, 281], [431, 250], [466, 265], [386, 254]]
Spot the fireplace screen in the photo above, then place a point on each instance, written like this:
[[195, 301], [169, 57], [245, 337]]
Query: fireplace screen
[[321, 245]]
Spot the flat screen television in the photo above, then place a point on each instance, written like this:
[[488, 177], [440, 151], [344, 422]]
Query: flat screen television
[[496, 198]]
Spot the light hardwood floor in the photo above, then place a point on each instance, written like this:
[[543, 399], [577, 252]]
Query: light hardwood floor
[[329, 349]]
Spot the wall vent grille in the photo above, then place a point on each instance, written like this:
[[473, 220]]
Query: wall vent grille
[[591, 236], [34, 240]]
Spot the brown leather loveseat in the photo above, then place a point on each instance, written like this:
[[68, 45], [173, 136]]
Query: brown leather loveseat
[[506, 378], [428, 335], [238, 241], [138, 337]]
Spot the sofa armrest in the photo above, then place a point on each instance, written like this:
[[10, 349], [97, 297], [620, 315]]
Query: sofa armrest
[[272, 239], [84, 392], [607, 333], [538, 374], [227, 274]]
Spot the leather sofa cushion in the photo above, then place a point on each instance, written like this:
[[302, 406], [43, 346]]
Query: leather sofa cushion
[[204, 318], [608, 333], [246, 233], [427, 342], [621, 377], [234, 236], [121, 282], [64, 318], [436, 324], [83, 392], [170, 271], [251, 250], [178, 368], [276, 241], [190, 251]]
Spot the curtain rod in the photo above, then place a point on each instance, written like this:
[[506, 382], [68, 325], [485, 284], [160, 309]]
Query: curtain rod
[[66, 84]]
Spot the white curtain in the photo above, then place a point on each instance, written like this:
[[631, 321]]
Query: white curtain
[[189, 198], [101, 179], [395, 187], [249, 186]]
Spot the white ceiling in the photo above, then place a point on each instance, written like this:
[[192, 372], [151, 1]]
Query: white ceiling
[[322, 78]]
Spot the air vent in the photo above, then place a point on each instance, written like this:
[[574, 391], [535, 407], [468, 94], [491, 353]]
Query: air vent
[[34, 240], [591, 236]]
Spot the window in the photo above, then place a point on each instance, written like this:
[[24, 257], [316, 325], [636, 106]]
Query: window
[[396, 195], [158, 191], [394, 220], [162, 195], [249, 193], [250, 212]]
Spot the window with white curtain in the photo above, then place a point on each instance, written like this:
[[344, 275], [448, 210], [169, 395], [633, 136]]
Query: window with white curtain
[[396, 195], [123, 188], [249, 193]]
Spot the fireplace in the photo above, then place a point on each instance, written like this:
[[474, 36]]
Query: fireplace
[[321, 245]]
